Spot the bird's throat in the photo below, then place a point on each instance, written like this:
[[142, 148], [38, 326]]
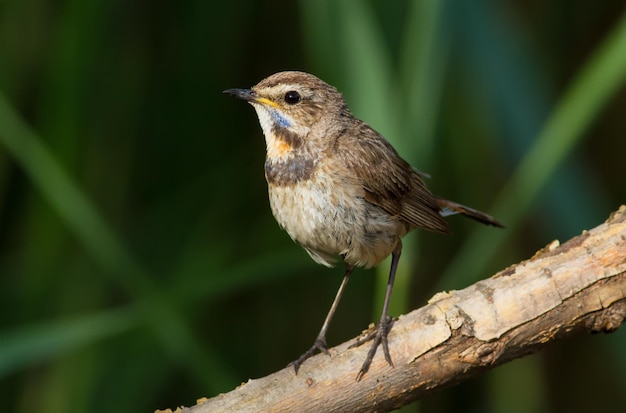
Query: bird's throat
[[278, 148], [281, 142]]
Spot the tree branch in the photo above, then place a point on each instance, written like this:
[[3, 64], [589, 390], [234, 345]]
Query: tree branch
[[562, 290]]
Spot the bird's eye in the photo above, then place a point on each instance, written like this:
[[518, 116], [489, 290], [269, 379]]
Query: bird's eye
[[292, 97]]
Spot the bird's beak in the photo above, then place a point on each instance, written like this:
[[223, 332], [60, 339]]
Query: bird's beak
[[244, 94], [249, 95]]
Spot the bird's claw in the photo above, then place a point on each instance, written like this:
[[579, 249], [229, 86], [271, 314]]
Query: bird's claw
[[318, 346]]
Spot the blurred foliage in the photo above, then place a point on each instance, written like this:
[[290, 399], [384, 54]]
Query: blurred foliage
[[140, 266]]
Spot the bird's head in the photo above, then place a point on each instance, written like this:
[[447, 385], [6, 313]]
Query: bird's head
[[293, 108]]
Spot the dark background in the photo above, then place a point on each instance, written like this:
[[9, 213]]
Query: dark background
[[140, 266]]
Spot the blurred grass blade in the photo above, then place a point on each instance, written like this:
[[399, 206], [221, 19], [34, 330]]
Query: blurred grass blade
[[82, 219], [68, 201], [28, 345], [369, 75], [510, 79], [422, 63], [590, 91]]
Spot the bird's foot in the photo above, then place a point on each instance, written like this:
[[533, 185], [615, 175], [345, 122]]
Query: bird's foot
[[378, 336], [318, 346]]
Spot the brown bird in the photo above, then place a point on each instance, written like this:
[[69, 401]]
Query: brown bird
[[339, 189]]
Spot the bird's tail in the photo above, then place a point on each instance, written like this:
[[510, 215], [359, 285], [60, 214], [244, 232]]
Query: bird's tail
[[450, 208]]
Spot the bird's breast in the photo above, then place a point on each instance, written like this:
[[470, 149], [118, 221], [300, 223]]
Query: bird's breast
[[327, 214]]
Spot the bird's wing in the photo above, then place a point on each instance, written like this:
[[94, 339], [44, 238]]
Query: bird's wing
[[388, 180]]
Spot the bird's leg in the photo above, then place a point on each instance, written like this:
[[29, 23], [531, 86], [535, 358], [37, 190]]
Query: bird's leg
[[379, 334], [320, 342]]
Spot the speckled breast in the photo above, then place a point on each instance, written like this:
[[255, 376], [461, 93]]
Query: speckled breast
[[325, 211]]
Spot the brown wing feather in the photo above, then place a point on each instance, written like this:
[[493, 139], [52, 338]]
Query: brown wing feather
[[388, 180]]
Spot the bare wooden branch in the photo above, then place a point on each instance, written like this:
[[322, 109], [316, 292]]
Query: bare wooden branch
[[577, 287]]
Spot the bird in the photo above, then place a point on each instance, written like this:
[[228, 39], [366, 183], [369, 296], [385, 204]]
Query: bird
[[340, 189]]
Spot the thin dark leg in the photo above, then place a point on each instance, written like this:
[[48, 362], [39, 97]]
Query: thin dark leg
[[384, 324], [320, 341]]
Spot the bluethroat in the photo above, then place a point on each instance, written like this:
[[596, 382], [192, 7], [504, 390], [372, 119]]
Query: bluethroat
[[339, 189]]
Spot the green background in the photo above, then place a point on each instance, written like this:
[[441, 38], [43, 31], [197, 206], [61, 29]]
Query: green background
[[140, 266]]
